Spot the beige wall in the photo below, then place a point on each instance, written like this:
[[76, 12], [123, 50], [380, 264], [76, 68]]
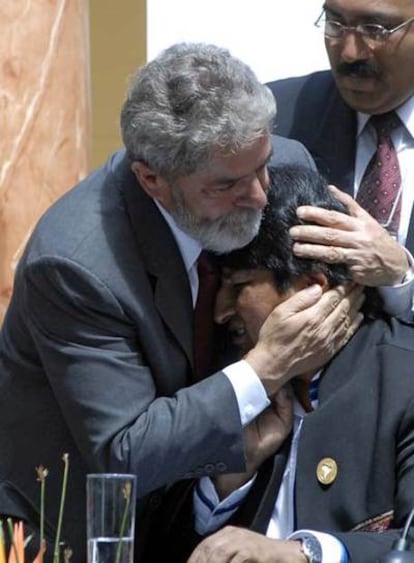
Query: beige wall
[[63, 65], [44, 116], [118, 46]]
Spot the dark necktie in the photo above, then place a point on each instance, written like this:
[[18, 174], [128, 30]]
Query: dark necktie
[[379, 192], [208, 282]]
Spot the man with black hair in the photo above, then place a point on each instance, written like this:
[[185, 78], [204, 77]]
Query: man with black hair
[[332, 462]]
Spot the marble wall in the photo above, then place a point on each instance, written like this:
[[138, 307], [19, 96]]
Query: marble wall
[[44, 116]]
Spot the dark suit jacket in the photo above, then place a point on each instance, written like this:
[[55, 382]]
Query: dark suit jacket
[[365, 422], [97, 352], [311, 110]]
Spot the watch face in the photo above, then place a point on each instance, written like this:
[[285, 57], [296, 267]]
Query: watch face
[[312, 549]]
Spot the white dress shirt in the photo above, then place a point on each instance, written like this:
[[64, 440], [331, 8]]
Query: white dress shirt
[[211, 514]]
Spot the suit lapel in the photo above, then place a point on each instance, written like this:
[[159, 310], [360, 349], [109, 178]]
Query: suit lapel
[[266, 507], [162, 259], [257, 509]]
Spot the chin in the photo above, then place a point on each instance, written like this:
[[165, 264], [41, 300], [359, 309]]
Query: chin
[[365, 96], [362, 102]]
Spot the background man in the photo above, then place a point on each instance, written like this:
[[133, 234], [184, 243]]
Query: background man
[[346, 470], [370, 45], [97, 350]]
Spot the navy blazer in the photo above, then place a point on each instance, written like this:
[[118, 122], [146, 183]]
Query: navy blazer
[[312, 111], [365, 422]]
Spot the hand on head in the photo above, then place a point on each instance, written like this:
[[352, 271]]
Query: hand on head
[[304, 333], [373, 256]]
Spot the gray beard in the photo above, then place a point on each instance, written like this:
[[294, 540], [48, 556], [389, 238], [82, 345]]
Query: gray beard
[[232, 231]]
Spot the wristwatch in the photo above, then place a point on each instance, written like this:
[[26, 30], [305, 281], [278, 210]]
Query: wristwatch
[[311, 549]]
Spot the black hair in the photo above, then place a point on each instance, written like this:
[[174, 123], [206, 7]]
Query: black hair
[[290, 187]]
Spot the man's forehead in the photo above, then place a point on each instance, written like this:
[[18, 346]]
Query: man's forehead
[[259, 151], [367, 8]]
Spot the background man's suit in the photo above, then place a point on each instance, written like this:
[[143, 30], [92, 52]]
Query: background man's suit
[[311, 110], [99, 327], [365, 422]]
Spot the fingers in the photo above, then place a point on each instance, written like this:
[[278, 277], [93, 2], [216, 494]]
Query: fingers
[[345, 317], [330, 218], [373, 256], [343, 299], [328, 254], [302, 300], [353, 207], [282, 404], [335, 299], [216, 548], [283, 398], [303, 333], [324, 217], [338, 318]]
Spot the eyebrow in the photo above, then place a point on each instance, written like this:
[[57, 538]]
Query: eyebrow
[[371, 17], [233, 180]]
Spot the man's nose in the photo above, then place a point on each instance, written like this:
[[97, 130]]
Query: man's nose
[[255, 194], [353, 47], [224, 306]]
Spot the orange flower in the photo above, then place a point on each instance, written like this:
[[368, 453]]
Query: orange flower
[[42, 551], [2, 545], [16, 554]]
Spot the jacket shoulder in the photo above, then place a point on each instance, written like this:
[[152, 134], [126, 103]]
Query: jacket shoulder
[[301, 101], [315, 83]]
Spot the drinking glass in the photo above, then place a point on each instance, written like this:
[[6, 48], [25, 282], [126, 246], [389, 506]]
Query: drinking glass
[[110, 516]]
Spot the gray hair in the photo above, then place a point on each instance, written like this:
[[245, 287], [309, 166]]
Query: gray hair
[[191, 99]]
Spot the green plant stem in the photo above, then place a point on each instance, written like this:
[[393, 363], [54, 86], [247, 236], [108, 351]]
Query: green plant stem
[[56, 551], [42, 512], [123, 526]]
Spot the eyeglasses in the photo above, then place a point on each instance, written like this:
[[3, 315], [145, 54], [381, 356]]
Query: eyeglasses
[[371, 32]]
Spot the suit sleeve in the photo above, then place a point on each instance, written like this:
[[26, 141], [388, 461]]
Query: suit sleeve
[[101, 379], [289, 151]]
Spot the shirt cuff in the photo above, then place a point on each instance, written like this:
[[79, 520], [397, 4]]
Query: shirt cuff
[[209, 512], [250, 394], [333, 550], [398, 298]]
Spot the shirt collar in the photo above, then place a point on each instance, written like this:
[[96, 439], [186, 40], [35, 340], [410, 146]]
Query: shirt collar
[[189, 247], [405, 113]]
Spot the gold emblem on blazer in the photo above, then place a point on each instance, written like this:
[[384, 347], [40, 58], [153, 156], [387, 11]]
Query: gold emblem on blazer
[[327, 471]]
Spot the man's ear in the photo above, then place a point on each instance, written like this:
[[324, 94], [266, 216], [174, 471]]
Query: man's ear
[[318, 278], [152, 183]]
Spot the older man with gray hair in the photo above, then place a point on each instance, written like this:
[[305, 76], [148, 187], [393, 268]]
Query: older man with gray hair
[[97, 347]]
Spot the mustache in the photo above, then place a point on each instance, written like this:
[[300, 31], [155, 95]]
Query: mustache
[[358, 69]]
